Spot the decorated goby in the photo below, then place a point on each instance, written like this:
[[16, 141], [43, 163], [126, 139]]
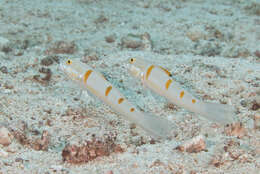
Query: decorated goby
[[159, 80], [95, 83]]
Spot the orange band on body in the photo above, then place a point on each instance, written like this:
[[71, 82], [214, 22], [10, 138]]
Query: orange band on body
[[181, 94], [120, 100], [86, 76], [108, 90], [168, 83], [149, 71]]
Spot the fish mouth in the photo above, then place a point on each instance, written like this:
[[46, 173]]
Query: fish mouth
[[64, 69]]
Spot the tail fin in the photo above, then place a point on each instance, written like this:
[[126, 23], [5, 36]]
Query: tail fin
[[220, 113], [159, 128]]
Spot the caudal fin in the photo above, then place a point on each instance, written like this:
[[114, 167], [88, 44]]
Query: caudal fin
[[220, 113], [158, 127]]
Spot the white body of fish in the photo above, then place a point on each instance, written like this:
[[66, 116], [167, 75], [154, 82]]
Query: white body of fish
[[159, 80], [95, 83]]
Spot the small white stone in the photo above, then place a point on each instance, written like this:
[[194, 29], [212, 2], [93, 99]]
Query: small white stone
[[3, 42], [56, 167], [59, 169], [5, 136], [3, 153]]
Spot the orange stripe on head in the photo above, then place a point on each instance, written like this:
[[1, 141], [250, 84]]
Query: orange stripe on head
[[108, 90], [120, 100], [149, 71], [86, 76], [181, 94], [168, 83], [193, 101], [132, 109]]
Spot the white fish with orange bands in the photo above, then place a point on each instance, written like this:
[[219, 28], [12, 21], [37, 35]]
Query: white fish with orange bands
[[95, 83], [159, 80]]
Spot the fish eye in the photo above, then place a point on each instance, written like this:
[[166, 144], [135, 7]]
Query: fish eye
[[132, 60], [69, 62]]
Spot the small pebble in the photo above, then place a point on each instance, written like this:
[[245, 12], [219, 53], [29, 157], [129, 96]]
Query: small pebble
[[43, 80], [62, 47], [6, 49], [243, 103], [253, 8], [110, 39], [4, 43], [257, 53], [56, 167], [5, 136], [110, 172], [131, 42], [236, 129], [46, 61], [43, 142], [88, 58], [195, 35], [90, 150], [3, 69], [193, 145], [137, 42], [18, 160], [147, 42], [101, 19], [255, 106], [3, 153], [257, 122]]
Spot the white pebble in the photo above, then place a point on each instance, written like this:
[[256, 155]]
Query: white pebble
[[3, 42], [56, 167], [3, 153], [5, 136]]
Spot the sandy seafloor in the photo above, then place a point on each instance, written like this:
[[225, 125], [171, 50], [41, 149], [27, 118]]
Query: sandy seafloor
[[212, 48]]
